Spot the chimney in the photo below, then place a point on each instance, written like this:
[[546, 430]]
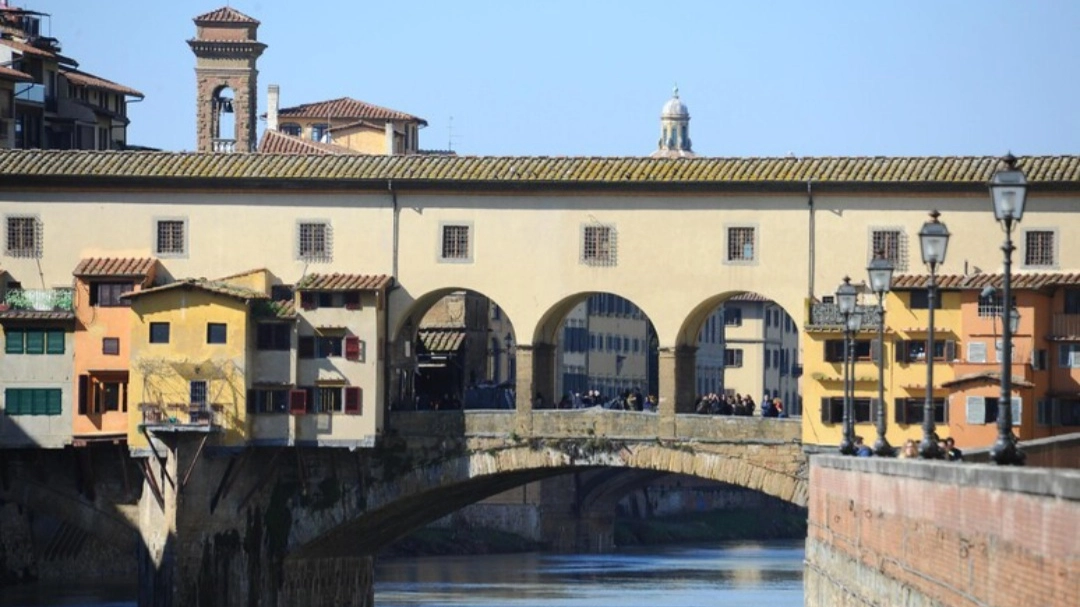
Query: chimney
[[272, 95], [389, 138]]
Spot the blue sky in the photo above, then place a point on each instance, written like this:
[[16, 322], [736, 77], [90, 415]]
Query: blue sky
[[588, 77]]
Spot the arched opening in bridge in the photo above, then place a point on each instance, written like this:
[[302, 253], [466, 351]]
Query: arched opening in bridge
[[454, 350], [604, 353], [746, 350]]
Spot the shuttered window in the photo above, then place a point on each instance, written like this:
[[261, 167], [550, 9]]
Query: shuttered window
[[354, 400], [32, 401]]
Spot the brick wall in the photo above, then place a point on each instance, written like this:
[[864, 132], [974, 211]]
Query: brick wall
[[913, 534]]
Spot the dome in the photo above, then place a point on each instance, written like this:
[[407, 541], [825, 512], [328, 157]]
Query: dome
[[675, 108]]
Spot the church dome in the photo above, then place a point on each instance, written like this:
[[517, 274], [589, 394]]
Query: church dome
[[675, 108]]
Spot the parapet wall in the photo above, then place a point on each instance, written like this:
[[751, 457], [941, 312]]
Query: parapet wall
[[919, 534]]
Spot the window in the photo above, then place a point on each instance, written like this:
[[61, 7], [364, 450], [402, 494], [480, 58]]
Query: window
[[862, 350], [740, 245], [328, 400], [320, 132], [892, 242], [1072, 301], [198, 393], [733, 357], [1059, 412], [322, 346], [109, 395], [290, 128], [455, 243], [107, 294], [915, 351], [985, 409], [313, 241], [991, 305], [216, 333], [976, 352], [273, 336], [832, 410], [920, 300], [34, 341], [23, 236], [171, 237], [110, 346], [32, 401], [159, 332], [268, 400], [1039, 248], [733, 317], [1069, 356], [910, 411], [598, 245]]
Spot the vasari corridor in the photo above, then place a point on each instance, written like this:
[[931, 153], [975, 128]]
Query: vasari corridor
[[304, 360]]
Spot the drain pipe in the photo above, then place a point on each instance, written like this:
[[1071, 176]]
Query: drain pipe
[[388, 366], [812, 247]]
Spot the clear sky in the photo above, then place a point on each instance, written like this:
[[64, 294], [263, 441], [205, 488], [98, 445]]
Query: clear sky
[[588, 77]]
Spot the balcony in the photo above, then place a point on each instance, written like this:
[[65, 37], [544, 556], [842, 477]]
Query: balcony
[[180, 416], [1065, 326], [223, 146], [41, 300], [30, 93], [828, 316]]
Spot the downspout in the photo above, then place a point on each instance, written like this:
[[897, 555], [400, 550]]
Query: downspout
[[389, 350], [812, 248]]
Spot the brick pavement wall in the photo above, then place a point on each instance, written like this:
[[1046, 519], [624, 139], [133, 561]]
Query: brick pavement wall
[[904, 533]]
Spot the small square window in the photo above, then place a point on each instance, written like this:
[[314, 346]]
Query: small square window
[[159, 332], [1039, 248], [23, 236], [313, 241], [170, 237], [455, 243], [110, 346], [599, 246], [892, 243], [741, 245], [107, 294], [215, 333]]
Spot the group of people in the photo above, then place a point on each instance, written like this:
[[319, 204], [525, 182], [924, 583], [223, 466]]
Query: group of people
[[910, 449], [738, 404], [627, 400]]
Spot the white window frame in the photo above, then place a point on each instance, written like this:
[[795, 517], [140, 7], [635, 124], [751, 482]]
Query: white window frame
[[976, 352], [592, 255], [755, 244], [155, 238], [324, 256], [470, 238], [35, 250], [1054, 253], [900, 259]]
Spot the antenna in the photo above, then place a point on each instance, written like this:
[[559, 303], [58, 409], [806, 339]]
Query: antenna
[[450, 134]]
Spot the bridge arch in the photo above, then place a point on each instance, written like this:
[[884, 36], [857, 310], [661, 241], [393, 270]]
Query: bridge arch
[[410, 499]]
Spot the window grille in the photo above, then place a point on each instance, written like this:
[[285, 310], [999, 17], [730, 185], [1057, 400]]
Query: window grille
[[455, 242], [1039, 248], [990, 306], [314, 241], [741, 244], [24, 236], [599, 247], [170, 237], [893, 243]]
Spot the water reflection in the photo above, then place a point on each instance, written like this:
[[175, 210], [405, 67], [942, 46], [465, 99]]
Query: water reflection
[[730, 574]]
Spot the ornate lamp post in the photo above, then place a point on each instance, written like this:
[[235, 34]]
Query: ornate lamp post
[[846, 296], [1008, 192], [934, 241], [881, 271]]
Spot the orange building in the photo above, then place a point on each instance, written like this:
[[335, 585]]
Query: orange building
[[103, 344]]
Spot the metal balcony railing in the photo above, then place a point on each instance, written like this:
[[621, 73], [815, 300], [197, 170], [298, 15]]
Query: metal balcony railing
[[180, 414], [828, 315], [40, 299]]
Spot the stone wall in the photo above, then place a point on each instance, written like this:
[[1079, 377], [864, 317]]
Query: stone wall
[[920, 534]]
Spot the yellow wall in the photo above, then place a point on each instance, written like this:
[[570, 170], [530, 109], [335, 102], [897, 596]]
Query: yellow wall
[[160, 373]]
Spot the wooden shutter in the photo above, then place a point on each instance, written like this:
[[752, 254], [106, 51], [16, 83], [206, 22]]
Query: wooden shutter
[[14, 340], [826, 410], [900, 411], [1038, 360], [975, 410], [875, 351], [353, 348], [354, 400], [976, 351], [297, 402], [900, 351], [873, 410], [950, 350], [1017, 410], [84, 395]]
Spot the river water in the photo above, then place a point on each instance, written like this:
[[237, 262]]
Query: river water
[[733, 574]]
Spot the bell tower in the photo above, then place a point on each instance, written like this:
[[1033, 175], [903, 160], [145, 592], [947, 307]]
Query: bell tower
[[226, 49]]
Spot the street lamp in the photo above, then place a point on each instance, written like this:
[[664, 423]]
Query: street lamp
[[1008, 192], [881, 271], [934, 241], [846, 295]]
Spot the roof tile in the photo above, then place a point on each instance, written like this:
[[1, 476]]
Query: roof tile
[[97, 82], [110, 266], [346, 107], [1026, 280], [343, 282], [210, 286], [276, 142], [225, 14], [442, 340]]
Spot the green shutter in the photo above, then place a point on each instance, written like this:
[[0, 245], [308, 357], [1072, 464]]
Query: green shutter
[[53, 402], [55, 342], [40, 404], [35, 341], [14, 339], [13, 401]]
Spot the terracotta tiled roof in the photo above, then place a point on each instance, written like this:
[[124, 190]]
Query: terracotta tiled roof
[[25, 48], [6, 73], [110, 266], [37, 315], [276, 142], [344, 282], [225, 14], [97, 82], [346, 107], [283, 308], [360, 124], [442, 340], [912, 173], [1023, 280], [749, 296], [991, 376], [211, 286]]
